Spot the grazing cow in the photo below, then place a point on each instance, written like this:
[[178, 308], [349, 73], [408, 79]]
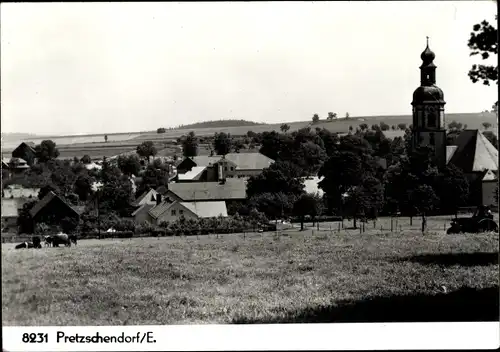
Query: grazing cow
[[73, 239], [37, 242], [24, 245], [61, 238], [48, 241]]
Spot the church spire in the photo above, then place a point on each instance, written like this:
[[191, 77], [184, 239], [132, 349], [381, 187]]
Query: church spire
[[427, 69]]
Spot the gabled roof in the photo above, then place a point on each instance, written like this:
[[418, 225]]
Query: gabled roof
[[474, 152], [21, 163], [145, 207], [490, 176], [243, 161], [450, 151], [206, 209], [249, 161], [206, 160], [159, 209], [393, 133], [46, 200], [30, 145], [145, 197], [193, 174], [197, 191]]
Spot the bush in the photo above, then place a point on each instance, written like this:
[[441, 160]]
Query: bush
[[161, 130]]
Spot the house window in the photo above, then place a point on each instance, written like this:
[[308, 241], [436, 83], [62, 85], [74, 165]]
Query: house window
[[232, 168], [181, 212], [172, 212], [432, 141], [225, 169]]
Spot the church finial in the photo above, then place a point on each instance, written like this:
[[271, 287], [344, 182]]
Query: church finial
[[427, 56]]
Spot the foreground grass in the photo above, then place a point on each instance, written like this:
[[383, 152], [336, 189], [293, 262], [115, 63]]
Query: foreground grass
[[296, 277]]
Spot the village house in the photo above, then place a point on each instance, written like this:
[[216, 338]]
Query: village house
[[206, 168], [14, 166], [25, 151], [228, 190], [171, 210], [52, 209]]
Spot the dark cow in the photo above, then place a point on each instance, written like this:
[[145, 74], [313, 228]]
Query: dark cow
[[24, 245], [35, 243], [62, 238]]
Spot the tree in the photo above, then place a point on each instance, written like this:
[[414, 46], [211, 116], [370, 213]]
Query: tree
[[83, 186], [24, 220], [153, 177], [69, 225], [309, 156], [279, 177], [106, 138], [346, 115], [129, 164], [306, 204], [274, 205], [486, 125], [161, 130], [86, 159], [384, 126], [275, 145], [366, 200], [284, 128], [454, 125], [341, 173], [453, 189], [315, 118], [492, 137], [424, 199], [402, 126], [146, 150], [330, 140], [483, 41], [190, 145], [331, 116], [222, 143], [46, 151]]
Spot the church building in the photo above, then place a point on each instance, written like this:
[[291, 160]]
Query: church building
[[471, 151]]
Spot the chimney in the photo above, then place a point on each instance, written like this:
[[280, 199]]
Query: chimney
[[219, 173], [158, 199]]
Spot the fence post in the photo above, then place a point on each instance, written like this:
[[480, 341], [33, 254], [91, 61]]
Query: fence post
[[392, 222], [339, 226]]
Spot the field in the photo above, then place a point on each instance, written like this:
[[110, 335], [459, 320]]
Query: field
[[131, 140], [309, 276]]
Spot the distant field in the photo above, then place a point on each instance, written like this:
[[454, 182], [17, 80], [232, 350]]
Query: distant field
[[131, 140], [300, 277]]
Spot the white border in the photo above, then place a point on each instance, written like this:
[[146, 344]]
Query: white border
[[352, 336]]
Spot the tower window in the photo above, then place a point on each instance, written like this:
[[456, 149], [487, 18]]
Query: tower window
[[431, 120]]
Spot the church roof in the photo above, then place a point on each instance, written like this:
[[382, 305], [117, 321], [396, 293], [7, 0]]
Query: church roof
[[473, 152]]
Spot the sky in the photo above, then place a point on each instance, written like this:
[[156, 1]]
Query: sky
[[74, 68]]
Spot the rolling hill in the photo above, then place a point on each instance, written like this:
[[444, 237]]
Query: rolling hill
[[128, 140]]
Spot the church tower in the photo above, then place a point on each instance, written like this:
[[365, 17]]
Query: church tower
[[428, 110]]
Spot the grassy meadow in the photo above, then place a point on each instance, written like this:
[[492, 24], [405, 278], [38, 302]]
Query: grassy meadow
[[292, 276]]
